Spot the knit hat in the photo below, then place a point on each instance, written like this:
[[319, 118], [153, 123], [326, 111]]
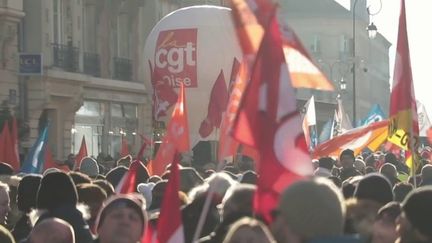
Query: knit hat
[[121, 201], [56, 189], [313, 208], [27, 192], [89, 167], [115, 175], [374, 187], [417, 209], [146, 190]]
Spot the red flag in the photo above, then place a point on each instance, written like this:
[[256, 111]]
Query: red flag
[[429, 134], [403, 108], [50, 163], [249, 18], [371, 136], [268, 120], [150, 235], [176, 137], [170, 226], [217, 105], [81, 154], [7, 148], [3, 143], [128, 183], [14, 138], [124, 147], [227, 145]]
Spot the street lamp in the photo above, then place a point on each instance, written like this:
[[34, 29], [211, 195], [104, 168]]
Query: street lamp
[[372, 29]]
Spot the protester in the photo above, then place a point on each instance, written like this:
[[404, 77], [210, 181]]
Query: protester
[[93, 196], [309, 209], [325, 166], [374, 187], [384, 227], [415, 222], [347, 161], [90, 167], [52, 230], [249, 230], [392, 159], [6, 169], [121, 220], [26, 201], [426, 175], [4, 203], [237, 203], [401, 190], [57, 197], [390, 172]]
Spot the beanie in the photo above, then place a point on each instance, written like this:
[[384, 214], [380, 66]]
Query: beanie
[[56, 189], [115, 175], [89, 167], [374, 187], [121, 201], [417, 209], [27, 192], [146, 190], [313, 208]]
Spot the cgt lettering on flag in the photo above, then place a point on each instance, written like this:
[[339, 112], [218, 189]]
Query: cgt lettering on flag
[[175, 57]]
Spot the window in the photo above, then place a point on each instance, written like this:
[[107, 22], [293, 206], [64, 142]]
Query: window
[[89, 27], [123, 40], [90, 108], [57, 21]]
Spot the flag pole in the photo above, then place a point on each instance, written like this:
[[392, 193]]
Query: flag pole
[[413, 154]]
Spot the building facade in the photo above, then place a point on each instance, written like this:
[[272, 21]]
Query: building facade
[[92, 82], [326, 30], [11, 15]]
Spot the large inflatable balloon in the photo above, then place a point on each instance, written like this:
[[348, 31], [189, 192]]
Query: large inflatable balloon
[[196, 46]]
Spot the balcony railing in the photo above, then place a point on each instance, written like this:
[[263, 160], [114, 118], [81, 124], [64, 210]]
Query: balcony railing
[[122, 69], [91, 64], [66, 57]]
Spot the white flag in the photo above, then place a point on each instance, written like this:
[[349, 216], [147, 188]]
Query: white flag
[[423, 119]]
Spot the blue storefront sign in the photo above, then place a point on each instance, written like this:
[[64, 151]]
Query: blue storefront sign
[[30, 64]]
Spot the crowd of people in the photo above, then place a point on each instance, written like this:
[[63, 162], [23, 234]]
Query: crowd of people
[[364, 198]]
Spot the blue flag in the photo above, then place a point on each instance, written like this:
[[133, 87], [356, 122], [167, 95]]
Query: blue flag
[[375, 114], [326, 131], [34, 163]]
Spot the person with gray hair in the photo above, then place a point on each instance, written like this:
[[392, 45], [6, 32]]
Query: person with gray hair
[[426, 175], [4, 202], [52, 230], [309, 210]]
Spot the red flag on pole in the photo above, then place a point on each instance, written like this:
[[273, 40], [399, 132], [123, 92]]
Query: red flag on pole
[[128, 183], [176, 137], [217, 105], [81, 154], [268, 120], [170, 225], [403, 127], [15, 159], [7, 148], [50, 163]]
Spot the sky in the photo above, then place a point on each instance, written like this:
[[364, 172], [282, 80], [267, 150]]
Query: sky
[[418, 14]]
